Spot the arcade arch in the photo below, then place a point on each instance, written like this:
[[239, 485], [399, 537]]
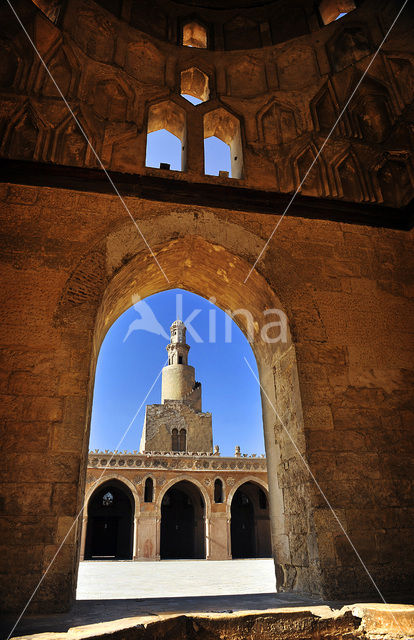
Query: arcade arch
[[183, 522], [249, 521], [109, 531]]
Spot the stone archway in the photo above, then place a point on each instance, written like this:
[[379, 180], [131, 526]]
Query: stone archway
[[105, 478], [249, 521], [110, 525], [122, 270], [182, 522]]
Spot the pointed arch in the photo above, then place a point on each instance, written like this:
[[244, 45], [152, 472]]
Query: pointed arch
[[25, 134], [224, 125], [325, 110], [277, 123], [349, 177], [316, 182], [69, 145], [64, 68]]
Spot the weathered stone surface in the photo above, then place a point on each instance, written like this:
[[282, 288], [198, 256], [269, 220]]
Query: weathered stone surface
[[356, 622], [71, 261]]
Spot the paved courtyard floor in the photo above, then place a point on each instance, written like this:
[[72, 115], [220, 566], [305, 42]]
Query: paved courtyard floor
[[174, 578], [113, 590]]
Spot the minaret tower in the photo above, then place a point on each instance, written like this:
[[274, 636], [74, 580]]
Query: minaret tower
[[178, 377], [178, 424]]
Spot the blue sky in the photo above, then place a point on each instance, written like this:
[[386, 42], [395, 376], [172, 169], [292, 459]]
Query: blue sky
[[163, 146], [126, 370]]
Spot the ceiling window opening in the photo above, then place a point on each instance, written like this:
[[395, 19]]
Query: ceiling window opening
[[194, 35], [217, 157], [195, 85], [166, 137], [220, 125], [331, 10]]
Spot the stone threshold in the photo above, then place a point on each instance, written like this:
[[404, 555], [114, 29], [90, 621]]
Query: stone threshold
[[356, 621]]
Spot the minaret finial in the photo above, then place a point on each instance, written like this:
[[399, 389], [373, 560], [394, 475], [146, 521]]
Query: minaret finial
[[178, 348]]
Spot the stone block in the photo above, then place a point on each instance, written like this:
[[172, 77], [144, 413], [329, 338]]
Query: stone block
[[30, 498], [42, 408], [65, 499], [298, 550], [25, 436], [27, 530], [318, 417], [25, 383], [365, 545]]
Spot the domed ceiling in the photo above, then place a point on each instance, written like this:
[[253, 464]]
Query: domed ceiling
[[227, 5]]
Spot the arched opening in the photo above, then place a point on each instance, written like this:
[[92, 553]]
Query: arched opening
[[183, 440], [331, 10], [166, 137], [50, 9], [182, 522], [195, 85], [164, 151], [217, 157], [149, 490], [174, 440], [250, 523], [194, 35], [218, 490], [109, 534], [247, 306], [222, 125]]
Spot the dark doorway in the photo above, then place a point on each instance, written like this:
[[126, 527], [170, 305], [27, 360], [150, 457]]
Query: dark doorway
[[182, 523], [250, 523], [109, 534]]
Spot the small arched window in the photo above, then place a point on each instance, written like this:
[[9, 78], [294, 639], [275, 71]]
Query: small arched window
[[180, 359], [194, 35], [331, 10], [166, 137], [183, 440], [224, 127], [149, 490], [108, 499], [174, 440], [218, 491]]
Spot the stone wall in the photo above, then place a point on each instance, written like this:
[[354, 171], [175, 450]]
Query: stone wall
[[165, 471], [72, 262], [161, 419]]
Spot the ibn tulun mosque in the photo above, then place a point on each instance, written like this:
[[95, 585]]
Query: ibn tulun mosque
[[177, 497]]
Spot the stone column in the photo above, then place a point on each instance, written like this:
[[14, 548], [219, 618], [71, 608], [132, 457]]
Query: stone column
[[83, 537], [195, 144], [146, 537], [218, 538]]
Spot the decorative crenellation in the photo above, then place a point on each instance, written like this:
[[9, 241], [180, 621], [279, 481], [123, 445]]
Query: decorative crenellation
[[199, 461]]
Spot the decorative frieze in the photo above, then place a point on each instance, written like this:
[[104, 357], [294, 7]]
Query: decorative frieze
[[181, 461]]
